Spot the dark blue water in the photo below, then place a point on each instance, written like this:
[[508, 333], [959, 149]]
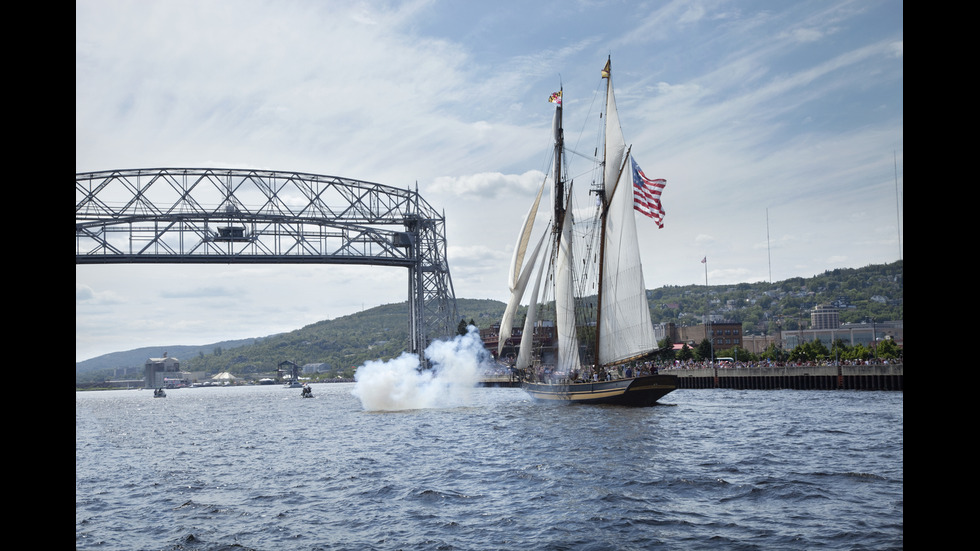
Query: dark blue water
[[261, 468]]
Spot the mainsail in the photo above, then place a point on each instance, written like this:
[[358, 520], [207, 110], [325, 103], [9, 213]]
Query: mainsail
[[625, 329], [565, 320]]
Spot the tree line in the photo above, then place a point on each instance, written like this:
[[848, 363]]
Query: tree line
[[811, 351]]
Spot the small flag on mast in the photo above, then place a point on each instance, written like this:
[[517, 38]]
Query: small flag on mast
[[555, 98], [646, 195]]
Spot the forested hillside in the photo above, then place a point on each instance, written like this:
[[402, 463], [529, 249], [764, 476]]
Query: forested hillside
[[860, 294], [343, 343], [382, 332]]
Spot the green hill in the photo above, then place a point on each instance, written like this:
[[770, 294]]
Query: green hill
[[343, 343], [382, 332]]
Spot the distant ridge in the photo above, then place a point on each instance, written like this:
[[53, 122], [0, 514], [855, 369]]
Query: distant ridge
[[380, 324], [138, 356]]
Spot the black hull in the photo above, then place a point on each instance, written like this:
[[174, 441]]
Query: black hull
[[638, 391]]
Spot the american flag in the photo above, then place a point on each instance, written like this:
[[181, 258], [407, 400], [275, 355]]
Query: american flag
[[646, 195]]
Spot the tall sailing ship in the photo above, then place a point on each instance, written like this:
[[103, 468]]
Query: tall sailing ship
[[590, 271]]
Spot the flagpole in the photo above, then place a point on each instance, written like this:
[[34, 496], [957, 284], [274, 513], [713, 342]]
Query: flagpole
[[898, 208], [707, 302], [768, 247]]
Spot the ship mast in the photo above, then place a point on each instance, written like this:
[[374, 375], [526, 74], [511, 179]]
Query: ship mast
[[568, 351], [558, 179], [604, 208]]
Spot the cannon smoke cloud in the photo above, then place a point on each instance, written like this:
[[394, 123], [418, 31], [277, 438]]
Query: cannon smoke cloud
[[398, 384]]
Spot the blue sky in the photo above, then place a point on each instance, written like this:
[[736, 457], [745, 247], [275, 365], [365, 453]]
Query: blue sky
[[778, 125]]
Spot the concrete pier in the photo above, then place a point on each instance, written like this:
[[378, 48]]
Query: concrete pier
[[830, 377], [500, 381]]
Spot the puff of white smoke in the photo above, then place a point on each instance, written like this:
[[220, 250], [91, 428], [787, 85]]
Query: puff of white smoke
[[456, 367]]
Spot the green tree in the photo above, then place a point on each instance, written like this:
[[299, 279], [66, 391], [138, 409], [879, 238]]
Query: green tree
[[857, 352], [887, 349], [818, 350], [666, 347], [685, 353], [774, 354], [703, 351], [738, 354]]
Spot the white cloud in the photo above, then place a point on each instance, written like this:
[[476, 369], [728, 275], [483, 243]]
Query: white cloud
[[488, 184]]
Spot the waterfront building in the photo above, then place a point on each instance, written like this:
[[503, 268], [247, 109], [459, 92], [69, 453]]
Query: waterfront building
[[161, 372], [851, 333], [824, 316], [757, 344], [722, 334], [312, 368]]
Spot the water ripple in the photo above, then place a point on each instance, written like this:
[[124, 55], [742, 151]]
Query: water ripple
[[258, 468]]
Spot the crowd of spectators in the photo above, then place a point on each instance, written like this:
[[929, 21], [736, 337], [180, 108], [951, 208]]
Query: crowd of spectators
[[726, 364]]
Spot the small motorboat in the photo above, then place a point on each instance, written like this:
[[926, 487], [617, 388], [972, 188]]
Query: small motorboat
[[159, 393], [307, 391]]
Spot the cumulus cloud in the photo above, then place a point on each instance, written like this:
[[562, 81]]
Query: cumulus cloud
[[488, 184]]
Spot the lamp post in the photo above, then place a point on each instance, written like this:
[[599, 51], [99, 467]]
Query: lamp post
[[874, 337], [712, 340]]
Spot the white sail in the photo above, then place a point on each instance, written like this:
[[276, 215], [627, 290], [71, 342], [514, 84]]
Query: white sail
[[625, 327], [516, 294], [615, 142], [524, 355], [568, 357], [524, 238]]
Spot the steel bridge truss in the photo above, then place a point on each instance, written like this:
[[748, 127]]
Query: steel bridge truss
[[237, 216]]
